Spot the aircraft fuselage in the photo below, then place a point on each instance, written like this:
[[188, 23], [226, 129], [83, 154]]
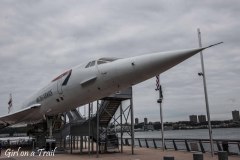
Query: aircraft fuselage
[[97, 79]]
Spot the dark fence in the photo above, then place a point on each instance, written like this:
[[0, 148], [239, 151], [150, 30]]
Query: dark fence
[[201, 145]]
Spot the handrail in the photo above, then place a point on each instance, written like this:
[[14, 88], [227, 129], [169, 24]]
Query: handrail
[[232, 146], [193, 139]]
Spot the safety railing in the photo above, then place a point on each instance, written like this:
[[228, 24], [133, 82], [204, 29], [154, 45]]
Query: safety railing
[[201, 145]]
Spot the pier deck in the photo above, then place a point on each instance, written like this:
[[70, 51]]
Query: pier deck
[[140, 154]]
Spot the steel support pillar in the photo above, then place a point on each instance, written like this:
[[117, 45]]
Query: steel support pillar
[[121, 127], [97, 144], [81, 144], [132, 124], [92, 145], [85, 142], [50, 126], [89, 127], [71, 143]]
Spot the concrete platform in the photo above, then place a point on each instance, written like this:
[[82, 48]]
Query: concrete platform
[[140, 154]]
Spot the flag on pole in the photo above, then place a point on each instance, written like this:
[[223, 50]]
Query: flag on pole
[[10, 103], [157, 83], [158, 86]]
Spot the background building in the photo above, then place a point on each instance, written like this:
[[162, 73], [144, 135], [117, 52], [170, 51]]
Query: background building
[[145, 121], [193, 118], [235, 115], [136, 121], [202, 118]]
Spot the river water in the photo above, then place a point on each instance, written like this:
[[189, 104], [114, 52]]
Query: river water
[[218, 133]]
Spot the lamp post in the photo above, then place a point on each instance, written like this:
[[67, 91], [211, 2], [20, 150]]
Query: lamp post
[[205, 92]]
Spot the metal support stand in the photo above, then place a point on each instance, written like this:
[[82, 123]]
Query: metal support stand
[[71, 143], [92, 145], [81, 144], [206, 95], [64, 140], [50, 126], [74, 142], [97, 145], [85, 142], [77, 141], [121, 127], [33, 145], [132, 124], [91, 130], [89, 127]]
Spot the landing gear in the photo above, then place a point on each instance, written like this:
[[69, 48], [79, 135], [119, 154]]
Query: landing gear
[[50, 126], [53, 123]]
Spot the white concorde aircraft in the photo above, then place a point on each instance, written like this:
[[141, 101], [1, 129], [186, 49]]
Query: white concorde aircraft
[[92, 81]]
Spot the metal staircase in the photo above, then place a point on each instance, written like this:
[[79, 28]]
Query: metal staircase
[[107, 110], [79, 126], [74, 115]]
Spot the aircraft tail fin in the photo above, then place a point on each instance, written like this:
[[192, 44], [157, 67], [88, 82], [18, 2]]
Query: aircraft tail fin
[[10, 103]]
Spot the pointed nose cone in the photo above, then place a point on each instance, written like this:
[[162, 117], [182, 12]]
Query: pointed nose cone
[[143, 67], [157, 63], [127, 72]]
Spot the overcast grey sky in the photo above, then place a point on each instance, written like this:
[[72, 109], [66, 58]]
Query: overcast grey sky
[[40, 39]]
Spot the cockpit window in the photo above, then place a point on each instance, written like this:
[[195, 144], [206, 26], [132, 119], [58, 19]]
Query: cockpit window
[[105, 60], [90, 64], [101, 62]]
